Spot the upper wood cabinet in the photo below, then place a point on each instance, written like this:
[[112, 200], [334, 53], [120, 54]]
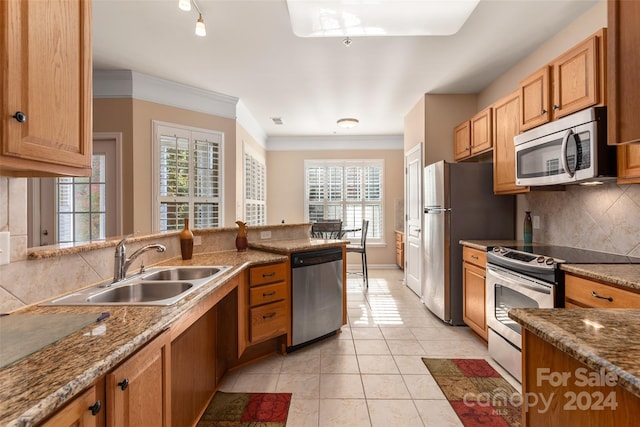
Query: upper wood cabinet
[[629, 164], [46, 76], [474, 136], [506, 125], [573, 81], [623, 65]]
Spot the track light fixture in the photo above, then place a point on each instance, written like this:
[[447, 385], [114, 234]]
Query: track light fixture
[[185, 5]]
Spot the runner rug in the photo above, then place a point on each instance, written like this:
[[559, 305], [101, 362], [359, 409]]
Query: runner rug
[[479, 395], [247, 410]]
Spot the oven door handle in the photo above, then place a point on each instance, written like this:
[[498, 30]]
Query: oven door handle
[[564, 150], [543, 289]]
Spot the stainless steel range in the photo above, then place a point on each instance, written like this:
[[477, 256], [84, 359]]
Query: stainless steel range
[[528, 277]]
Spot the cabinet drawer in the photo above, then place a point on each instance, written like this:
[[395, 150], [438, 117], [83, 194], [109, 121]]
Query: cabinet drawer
[[268, 293], [268, 321], [474, 256], [588, 293], [399, 237], [268, 274]]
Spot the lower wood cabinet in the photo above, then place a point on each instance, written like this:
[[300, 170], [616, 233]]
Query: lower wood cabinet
[[86, 410], [138, 392], [400, 249], [474, 290], [581, 292]]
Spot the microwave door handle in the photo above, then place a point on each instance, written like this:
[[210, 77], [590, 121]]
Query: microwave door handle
[[563, 154]]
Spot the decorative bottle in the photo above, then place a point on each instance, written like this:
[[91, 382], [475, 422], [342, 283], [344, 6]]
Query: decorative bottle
[[186, 241], [241, 239], [528, 228]]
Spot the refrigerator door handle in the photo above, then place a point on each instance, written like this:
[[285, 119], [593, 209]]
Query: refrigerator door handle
[[436, 210]]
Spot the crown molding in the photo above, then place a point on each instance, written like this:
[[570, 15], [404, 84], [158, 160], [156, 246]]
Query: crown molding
[[335, 143]]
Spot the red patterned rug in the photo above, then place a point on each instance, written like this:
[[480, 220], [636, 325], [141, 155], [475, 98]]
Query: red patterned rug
[[247, 410], [477, 392]]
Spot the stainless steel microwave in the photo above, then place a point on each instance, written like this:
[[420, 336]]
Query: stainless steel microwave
[[569, 150]]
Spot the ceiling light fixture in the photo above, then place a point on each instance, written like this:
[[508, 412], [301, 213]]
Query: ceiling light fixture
[[347, 42], [185, 5], [348, 123]]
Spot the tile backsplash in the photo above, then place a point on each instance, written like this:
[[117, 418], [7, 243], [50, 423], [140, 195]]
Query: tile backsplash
[[604, 218]]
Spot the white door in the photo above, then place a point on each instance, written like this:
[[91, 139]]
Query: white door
[[413, 224]]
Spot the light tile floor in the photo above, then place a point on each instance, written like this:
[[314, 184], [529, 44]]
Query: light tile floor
[[371, 374]]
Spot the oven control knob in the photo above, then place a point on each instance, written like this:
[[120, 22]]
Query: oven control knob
[[503, 250], [540, 259], [496, 249], [549, 261]]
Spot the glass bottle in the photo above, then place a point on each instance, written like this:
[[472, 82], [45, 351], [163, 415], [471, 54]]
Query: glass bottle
[[528, 228], [186, 241]]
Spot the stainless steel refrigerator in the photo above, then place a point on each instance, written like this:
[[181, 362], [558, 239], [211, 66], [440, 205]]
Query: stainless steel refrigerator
[[458, 204]]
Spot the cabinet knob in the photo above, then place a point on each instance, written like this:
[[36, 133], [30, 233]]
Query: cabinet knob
[[124, 384], [20, 116], [543, 112], [95, 408], [555, 107]]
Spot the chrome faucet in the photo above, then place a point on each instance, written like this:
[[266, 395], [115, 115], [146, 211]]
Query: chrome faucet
[[122, 263]]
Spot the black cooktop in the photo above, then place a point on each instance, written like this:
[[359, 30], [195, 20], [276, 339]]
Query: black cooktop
[[575, 256]]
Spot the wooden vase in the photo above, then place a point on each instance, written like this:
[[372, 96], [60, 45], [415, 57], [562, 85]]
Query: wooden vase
[[241, 240], [186, 241]]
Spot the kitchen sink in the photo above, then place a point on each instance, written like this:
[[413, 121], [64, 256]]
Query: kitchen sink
[[141, 292], [156, 286], [182, 273]]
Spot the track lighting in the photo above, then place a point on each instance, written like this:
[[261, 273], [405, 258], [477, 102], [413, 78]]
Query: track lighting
[[185, 5], [200, 28]]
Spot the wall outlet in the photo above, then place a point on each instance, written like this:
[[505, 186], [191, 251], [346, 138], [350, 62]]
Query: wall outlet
[[536, 221], [265, 234], [197, 240]]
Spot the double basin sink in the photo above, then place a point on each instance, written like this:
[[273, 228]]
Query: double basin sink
[[156, 286]]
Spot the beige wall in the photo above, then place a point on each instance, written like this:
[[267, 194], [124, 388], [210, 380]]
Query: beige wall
[[285, 191], [134, 119]]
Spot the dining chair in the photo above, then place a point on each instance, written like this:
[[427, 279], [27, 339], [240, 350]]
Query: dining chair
[[361, 248], [327, 230]]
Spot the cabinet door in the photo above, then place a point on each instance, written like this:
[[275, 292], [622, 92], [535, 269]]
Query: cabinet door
[[623, 63], [629, 164], [138, 391], [47, 77], [506, 125], [481, 135], [534, 99], [576, 79], [474, 294], [462, 141], [83, 411]]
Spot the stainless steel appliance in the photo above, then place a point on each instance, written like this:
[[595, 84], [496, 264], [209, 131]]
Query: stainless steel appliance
[[316, 294], [528, 276], [458, 204], [569, 150]]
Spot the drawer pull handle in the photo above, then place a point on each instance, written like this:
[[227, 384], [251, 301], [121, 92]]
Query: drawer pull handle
[[269, 275], [268, 294], [595, 295], [269, 316], [95, 408], [124, 384], [474, 256]]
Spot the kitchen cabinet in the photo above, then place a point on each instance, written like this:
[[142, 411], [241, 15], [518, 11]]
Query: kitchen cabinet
[[267, 307], [574, 394], [629, 164], [474, 290], [400, 249], [473, 137], [623, 63], [86, 410], [582, 292], [138, 392], [573, 81], [46, 107], [506, 125]]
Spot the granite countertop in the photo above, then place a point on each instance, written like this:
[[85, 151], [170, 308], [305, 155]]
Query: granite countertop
[[622, 275], [599, 338], [296, 245], [39, 384]]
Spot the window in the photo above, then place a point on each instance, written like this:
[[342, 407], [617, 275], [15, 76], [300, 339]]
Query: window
[[189, 177], [350, 190], [255, 200], [81, 205]]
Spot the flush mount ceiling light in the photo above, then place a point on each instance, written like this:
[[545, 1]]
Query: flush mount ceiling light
[[185, 5], [348, 123], [333, 18]]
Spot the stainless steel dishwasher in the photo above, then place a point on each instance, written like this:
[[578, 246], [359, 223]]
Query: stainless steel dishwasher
[[317, 294]]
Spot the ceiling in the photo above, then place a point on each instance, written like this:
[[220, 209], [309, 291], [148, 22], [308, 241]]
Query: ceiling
[[250, 52]]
